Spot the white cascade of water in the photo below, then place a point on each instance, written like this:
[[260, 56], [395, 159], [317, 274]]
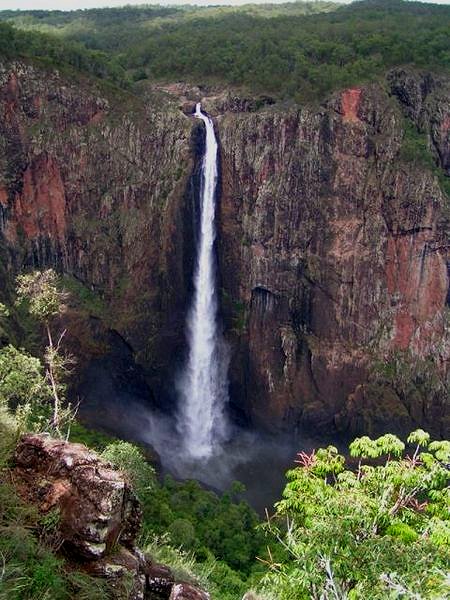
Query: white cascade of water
[[203, 387]]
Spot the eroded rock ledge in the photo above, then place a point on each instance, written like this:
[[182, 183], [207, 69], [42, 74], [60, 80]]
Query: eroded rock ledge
[[99, 516]]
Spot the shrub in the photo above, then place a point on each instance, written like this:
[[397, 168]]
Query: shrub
[[365, 532]]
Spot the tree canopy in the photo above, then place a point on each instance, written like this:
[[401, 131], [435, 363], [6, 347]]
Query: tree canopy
[[300, 50]]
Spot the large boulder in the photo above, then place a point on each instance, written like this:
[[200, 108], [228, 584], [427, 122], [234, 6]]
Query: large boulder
[[97, 507], [99, 517]]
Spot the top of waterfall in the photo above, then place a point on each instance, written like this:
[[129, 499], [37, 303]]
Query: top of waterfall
[[198, 109]]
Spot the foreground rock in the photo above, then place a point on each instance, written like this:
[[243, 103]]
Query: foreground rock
[[99, 517]]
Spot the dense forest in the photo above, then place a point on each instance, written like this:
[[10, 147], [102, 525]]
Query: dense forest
[[294, 54]]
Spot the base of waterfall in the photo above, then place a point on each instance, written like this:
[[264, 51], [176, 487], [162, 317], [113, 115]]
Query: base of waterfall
[[258, 460]]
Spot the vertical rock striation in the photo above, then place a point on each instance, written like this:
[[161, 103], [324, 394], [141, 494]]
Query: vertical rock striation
[[333, 237], [334, 256], [93, 182]]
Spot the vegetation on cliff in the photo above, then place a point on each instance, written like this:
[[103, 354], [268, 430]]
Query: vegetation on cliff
[[56, 52], [211, 538]]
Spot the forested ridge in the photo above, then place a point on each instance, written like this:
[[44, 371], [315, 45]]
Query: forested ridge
[[301, 52]]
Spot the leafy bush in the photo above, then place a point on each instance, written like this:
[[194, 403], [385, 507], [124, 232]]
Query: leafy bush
[[366, 532], [129, 458]]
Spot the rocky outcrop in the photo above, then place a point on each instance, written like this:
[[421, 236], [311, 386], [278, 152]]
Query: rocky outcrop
[[98, 517], [333, 237], [96, 505]]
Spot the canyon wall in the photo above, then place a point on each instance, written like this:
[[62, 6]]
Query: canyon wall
[[95, 183], [334, 249], [333, 238]]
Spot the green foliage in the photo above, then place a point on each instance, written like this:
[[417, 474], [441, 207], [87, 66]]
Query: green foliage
[[129, 458], [89, 300], [45, 299], [222, 582], [22, 378], [182, 532], [298, 50], [89, 437], [415, 147], [222, 527], [205, 537], [366, 533], [300, 57], [41, 290], [56, 52]]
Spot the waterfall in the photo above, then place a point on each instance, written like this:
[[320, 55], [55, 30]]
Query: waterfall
[[203, 387]]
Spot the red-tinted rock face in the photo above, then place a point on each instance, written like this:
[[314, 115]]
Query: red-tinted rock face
[[96, 187], [350, 104], [334, 253], [40, 209], [416, 276]]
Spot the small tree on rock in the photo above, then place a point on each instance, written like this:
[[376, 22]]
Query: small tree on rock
[[46, 301]]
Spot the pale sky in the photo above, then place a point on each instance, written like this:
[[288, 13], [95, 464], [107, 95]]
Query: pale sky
[[72, 4]]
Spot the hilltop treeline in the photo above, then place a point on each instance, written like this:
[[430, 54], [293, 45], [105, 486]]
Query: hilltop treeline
[[58, 52], [299, 57], [302, 52]]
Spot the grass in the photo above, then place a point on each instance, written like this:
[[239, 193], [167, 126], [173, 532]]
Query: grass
[[30, 568]]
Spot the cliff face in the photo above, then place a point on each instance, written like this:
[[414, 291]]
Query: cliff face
[[93, 182], [333, 238], [333, 256]]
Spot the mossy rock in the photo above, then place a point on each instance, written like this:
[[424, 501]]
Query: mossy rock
[[374, 409]]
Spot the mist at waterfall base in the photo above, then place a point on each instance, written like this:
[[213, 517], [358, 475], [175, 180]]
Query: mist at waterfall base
[[115, 400], [257, 459]]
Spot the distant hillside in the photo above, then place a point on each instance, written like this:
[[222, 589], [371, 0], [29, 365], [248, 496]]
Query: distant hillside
[[299, 51], [119, 28], [58, 52]]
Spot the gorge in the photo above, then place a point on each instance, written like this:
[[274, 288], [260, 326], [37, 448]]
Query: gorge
[[225, 301], [332, 246]]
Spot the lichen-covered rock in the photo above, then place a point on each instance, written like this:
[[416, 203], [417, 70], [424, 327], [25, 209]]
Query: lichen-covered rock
[[99, 516], [159, 581], [97, 507]]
